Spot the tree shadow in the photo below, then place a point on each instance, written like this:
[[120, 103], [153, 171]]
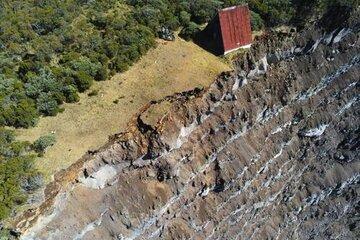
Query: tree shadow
[[336, 16]]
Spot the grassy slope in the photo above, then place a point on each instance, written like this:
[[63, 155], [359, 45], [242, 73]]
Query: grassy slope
[[169, 68]]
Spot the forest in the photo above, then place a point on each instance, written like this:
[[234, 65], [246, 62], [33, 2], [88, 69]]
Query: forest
[[52, 50]]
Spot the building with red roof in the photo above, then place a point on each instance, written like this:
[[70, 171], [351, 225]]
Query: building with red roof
[[229, 30]]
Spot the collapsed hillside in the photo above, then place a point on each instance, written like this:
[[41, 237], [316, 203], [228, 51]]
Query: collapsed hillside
[[270, 150]]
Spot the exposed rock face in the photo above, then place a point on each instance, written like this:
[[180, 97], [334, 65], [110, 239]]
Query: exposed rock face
[[270, 151]]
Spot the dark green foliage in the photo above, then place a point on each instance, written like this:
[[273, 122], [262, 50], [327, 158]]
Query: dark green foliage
[[273, 12], [70, 93], [83, 64], [20, 113], [47, 104], [41, 144], [17, 175], [203, 10], [257, 23], [50, 50], [83, 81], [102, 74], [43, 82], [184, 18], [325, 4], [120, 64], [16, 109], [189, 31]]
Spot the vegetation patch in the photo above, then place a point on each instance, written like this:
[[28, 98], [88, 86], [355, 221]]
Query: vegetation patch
[[42, 143], [51, 50], [18, 176]]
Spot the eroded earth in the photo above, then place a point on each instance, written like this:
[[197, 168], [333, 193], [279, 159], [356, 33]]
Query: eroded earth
[[269, 151]]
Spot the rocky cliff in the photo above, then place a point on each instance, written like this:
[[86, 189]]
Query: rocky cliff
[[269, 151]]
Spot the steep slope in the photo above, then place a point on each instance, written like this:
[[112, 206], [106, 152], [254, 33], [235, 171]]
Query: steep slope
[[268, 151], [153, 77]]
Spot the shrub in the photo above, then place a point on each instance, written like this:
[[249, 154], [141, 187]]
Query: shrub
[[274, 12], [25, 67], [84, 64], [256, 21], [185, 18], [121, 64], [13, 171], [43, 82], [5, 234], [16, 109], [16, 148], [16, 168], [70, 93], [190, 31], [102, 74], [47, 105], [6, 136], [33, 182], [83, 81], [41, 144], [203, 10], [21, 113], [149, 16]]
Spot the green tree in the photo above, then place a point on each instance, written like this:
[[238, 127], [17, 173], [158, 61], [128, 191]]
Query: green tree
[[190, 31], [185, 18], [16, 168], [47, 105], [16, 109], [83, 81], [204, 10], [85, 65], [257, 23], [41, 144], [44, 82], [71, 94]]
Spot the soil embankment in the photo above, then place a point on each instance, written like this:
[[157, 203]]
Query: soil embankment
[[270, 150]]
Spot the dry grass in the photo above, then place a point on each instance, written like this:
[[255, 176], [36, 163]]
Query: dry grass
[[169, 68], [155, 112]]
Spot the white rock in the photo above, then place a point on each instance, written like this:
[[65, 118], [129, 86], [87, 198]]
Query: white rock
[[99, 179]]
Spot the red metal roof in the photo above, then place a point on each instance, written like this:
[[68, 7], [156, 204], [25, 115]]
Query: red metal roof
[[235, 27]]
